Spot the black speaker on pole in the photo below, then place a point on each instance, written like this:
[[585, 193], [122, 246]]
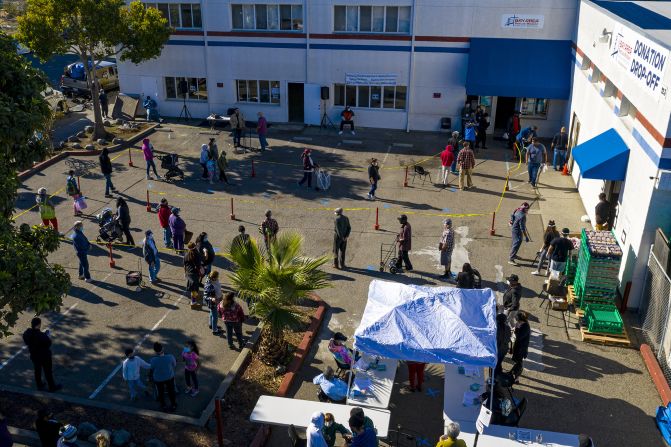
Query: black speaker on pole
[[325, 93], [183, 87]]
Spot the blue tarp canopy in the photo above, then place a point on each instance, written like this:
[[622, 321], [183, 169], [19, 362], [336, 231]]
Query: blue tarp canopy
[[521, 68], [604, 157], [429, 324]]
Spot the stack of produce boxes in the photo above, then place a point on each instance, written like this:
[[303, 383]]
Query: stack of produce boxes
[[596, 277]]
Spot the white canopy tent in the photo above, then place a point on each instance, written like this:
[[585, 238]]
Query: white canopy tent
[[429, 324]]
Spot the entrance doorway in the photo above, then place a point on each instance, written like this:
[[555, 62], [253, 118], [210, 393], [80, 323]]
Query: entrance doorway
[[296, 102], [505, 107]]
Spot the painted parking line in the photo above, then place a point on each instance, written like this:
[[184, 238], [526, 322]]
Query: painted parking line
[[118, 367], [54, 323]]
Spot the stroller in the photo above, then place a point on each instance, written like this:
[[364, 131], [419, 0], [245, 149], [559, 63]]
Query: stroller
[[169, 162], [388, 258], [109, 228]]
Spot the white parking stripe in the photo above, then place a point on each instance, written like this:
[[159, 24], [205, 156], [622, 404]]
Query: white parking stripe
[[118, 367]]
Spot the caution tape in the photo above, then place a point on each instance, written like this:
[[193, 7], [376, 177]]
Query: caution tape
[[519, 163], [36, 205]]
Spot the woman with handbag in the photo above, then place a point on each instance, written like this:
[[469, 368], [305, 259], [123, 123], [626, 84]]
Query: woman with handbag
[[193, 271], [445, 246]]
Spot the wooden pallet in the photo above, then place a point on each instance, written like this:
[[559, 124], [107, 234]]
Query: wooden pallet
[[621, 339], [571, 299]]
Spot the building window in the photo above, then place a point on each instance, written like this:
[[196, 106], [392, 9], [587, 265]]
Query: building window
[[180, 15], [263, 17], [534, 107], [375, 19], [370, 96], [267, 92], [191, 89]]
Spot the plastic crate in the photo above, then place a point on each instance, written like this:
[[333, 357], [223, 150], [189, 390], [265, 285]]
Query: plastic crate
[[603, 318]]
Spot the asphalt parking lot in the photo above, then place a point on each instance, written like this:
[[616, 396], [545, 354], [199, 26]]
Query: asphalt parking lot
[[571, 386]]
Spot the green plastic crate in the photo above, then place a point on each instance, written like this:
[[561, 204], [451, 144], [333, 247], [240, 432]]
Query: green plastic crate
[[603, 318]]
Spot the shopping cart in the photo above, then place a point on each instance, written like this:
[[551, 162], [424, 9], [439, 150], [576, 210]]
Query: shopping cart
[[388, 258]]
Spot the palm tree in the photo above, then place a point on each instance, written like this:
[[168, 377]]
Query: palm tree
[[274, 282]]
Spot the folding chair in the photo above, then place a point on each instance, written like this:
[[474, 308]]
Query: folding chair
[[296, 441], [423, 174]]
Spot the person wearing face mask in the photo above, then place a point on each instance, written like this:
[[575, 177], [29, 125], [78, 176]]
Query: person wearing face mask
[[162, 373], [521, 345], [206, 252], [314, 435], [331, 427], [130, 369], [150, 253], [190, 355], [82, 247], [512, 296]]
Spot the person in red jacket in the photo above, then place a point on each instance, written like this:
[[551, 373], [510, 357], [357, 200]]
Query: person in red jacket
[[164, 211], [446, 159]]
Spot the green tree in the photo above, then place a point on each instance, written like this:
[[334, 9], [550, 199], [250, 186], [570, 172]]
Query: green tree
[[274, 283], [27, 280], [94, 30]]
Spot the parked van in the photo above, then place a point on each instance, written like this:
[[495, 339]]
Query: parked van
[[73, 81]]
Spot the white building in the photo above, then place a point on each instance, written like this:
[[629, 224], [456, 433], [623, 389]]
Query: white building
[[620, 108], [401, 64]]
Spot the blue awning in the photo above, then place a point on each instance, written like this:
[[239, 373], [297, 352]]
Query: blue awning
[[604, 157], [521, 68]]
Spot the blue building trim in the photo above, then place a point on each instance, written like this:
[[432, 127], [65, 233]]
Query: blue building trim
[[458, 50], [225, 43], [191, 43], [662, 163], [332, 46]]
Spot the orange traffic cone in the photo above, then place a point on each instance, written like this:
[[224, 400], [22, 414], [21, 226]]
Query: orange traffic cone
[[565, 170]]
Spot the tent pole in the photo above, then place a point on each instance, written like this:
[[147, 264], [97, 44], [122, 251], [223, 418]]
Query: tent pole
[[351, 371]]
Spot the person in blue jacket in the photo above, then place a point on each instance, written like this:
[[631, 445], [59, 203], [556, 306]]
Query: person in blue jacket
[[470, 133], [524, 137], [151, 107], [82, 246]]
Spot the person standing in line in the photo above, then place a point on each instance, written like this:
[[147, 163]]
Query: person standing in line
[[222, 164], [269, 229], [466, 163], [466, 112], [151, 107], [123, 216], [559, 251], [560, 146], [104, 102], [602, 213], [72, 189], [518, 223], [347, 118], [164, 220], [213, 149], [177, 228], [446, 160], [482, 123], [503, 336], [446, 245], [233, 316], [512, 296], [342, 232], [204, 158], [416, 375], [454, 142], [242, 238], [191, 356], [237, 124], [148, 154], [47, 209], [550, 234], [521, 344], [163, 375], [39, 346], [262, 131], [82, 247], [308, 167], [469, 134], [404, 240], [130, 370], [106, 169], [213, 294], [536, 157], [206, 251], [151, 256], [68, 437], [373, 178], [193, 269], [47, 428], [513, 130], [466, 277]]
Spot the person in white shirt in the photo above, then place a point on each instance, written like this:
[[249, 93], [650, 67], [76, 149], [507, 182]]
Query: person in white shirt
[[131, 373]]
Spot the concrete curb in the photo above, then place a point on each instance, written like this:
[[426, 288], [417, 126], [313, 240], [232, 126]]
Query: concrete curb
[[656, 374], [113, 148], [29, 437], [299, 357]]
